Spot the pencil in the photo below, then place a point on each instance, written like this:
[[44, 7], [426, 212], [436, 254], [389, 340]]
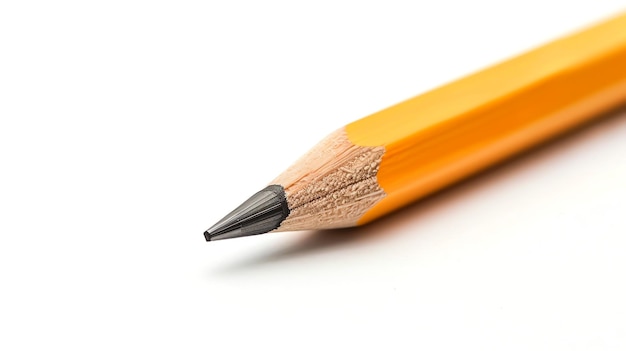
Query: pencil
[[391, 158]]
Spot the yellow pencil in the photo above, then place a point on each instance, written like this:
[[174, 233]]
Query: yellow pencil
[[387, 160]]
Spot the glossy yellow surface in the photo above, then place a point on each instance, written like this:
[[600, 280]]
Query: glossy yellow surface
[[445, 135]]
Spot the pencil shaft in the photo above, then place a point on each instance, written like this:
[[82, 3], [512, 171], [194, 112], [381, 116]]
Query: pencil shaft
[[445, 135]]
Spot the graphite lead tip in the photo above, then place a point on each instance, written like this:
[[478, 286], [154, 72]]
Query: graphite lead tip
[[261, 213]]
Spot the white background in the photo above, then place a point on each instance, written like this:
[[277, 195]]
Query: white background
[[128, 127]]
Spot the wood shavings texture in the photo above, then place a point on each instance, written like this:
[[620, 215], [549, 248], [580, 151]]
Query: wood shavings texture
[[331, 186]]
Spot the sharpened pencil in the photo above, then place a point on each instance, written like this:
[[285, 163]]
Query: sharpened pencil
[[391, 158]]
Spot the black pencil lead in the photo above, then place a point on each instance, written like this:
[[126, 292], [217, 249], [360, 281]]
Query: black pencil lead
[[261, 213]]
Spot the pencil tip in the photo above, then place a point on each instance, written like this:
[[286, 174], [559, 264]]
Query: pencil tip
[[261, 213]]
